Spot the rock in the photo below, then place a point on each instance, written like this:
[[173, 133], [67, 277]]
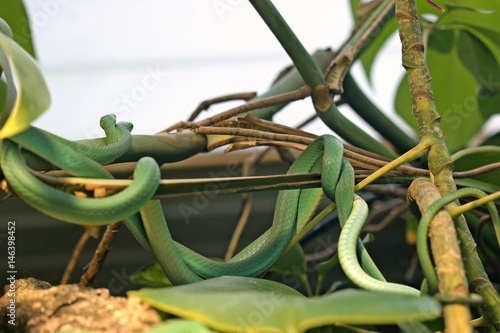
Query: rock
[[42, 308]]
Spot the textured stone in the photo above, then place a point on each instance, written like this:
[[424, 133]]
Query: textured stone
[[42, 308]]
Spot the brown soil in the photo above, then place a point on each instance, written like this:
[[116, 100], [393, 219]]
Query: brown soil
[[42, 308]]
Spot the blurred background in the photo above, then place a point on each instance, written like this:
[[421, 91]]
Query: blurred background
[[152, 61]]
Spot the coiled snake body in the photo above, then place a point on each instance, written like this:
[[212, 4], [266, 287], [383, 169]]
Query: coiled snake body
[[145, 219]]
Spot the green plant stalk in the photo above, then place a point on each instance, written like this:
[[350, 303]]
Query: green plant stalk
[[313, 77], [479, 281], [475, 150], [341, 125], [452, 279], [484, 232], [289, 82], [440, 162], [310, 72], [364, 107]]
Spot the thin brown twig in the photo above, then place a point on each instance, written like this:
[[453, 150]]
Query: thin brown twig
[[221, 99], [252, 133], [394, 211], [348, 153], [352, 155], [246, 208], [477, 171], [208, 103], [246, 204], [322, 255], [365, 152], [273, 127], [252, 143], [100, 254], [294, 95], [75, 256]]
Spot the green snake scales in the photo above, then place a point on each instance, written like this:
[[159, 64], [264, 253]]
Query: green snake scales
[[144, 217]]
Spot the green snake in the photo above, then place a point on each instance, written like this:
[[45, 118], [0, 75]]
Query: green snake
[[79, 161], [145, 219]]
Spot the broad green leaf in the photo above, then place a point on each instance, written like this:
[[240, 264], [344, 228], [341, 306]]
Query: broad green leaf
[[491, 38], [483, 65], [292, 262], [486, 15], [179, 326], [442, 41], [326, 266], [455, 94], [14, 13], [27, 93], [477, 57], [239, 304], [151, 275]]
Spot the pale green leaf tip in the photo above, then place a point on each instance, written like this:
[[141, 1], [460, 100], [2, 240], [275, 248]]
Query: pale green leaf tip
[[5, 28], [32, 96]]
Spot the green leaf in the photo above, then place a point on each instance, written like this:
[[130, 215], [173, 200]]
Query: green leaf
[[442, 41], [477, 57], [179, 326], [483, 65], [14, 13], [453, 6], [256, 305], [455, 94], [326, 266], [292, 262], [151, 275], [27, 93], [486, 15], [491, 38]]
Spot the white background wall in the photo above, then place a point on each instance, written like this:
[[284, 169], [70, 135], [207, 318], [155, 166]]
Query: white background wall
[[152, 62]]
